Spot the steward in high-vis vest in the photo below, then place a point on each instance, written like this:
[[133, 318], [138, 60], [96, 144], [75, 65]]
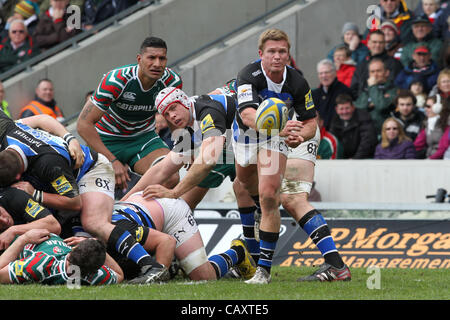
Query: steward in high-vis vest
[[44, 102]]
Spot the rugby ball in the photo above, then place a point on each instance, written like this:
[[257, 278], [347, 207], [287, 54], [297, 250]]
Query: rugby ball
[[271, 116]]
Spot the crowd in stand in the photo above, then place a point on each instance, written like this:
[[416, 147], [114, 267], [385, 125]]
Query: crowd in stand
[[383, 93], [393, 77], [29, 27]]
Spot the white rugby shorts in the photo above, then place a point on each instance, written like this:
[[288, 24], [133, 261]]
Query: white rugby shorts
[[100, 178]]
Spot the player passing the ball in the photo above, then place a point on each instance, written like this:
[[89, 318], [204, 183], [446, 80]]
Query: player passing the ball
[[261, 161]]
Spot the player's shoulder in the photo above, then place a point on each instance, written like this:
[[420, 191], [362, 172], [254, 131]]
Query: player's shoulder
[[171, 78], [251, 70], [123, 73], [297, 77]]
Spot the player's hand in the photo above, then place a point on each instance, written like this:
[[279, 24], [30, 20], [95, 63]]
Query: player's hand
[[24, 186], [36, 235], [6, 237], [74, 241], [291, 133], [122, 176], [76, 153], [158, 191]]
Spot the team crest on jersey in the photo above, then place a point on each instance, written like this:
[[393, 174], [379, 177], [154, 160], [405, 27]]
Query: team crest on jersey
[[131, 96], [139, 234], [57, 250], [33, 208], [61, 185], [309, 102], [207, 123]]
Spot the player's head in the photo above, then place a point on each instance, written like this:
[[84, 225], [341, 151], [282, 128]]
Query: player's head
[[10, 167], [152, 57], [174, 105], [273, 50], [89, 255]]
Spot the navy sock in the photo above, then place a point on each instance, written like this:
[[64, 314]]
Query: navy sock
[[317, 229], [248, 228], [124, 243], [224, 261], [267, 242]]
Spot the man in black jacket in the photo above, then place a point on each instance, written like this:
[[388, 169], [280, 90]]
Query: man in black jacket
[[354, 128], [324, 96]]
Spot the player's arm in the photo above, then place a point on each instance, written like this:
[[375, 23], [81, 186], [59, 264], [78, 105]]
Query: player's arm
[[53, 126], [12, 253], [163, 246], [171, 163], [114, 266], [248, 100], [87, 119], [210, 151]]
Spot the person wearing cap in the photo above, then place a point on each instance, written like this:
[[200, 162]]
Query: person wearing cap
[[422, 69], [422, 31], [351, 39], [393, 44], [25, 10], [17, 48], [197, 123], [119, 118]]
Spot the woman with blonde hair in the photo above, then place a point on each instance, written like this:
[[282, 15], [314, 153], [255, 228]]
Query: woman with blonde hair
[[395, 144]]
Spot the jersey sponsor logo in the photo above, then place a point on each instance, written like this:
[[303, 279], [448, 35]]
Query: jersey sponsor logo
[[139, 233], [18, 268], [129, 96], [33, 208], [61, 185], [132, 107], [309, 103], [256, 73], [245, 93], [207, 123], [57, 250]]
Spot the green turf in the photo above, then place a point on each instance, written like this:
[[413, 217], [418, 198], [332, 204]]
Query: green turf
[[396, 284]]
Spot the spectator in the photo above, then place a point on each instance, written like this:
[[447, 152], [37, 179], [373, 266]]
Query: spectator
[[17, 48], [43, 103], [354, 128], [330, 87], [442, 86], [345, 66], [3, 102], [45, 4], [416, 87], [352, 40], [28, 11], [396, 11], [377, 49], [436, 15], [421, 69], [96, 11], [394, 143], [422, 35], [52, 27], [427, 142], [407, 114], [329, 147], [393, 44], [379, 93]]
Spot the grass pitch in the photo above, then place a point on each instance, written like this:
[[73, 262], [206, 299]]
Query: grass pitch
[[389, 284]]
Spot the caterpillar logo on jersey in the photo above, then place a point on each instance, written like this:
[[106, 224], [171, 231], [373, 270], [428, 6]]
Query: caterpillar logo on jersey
[[309, 103], [139, 233], [207, 123], [33, 208], [61, 185]]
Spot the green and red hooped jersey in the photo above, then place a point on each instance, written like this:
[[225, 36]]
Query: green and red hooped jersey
[[46, 263], [129, 109]]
